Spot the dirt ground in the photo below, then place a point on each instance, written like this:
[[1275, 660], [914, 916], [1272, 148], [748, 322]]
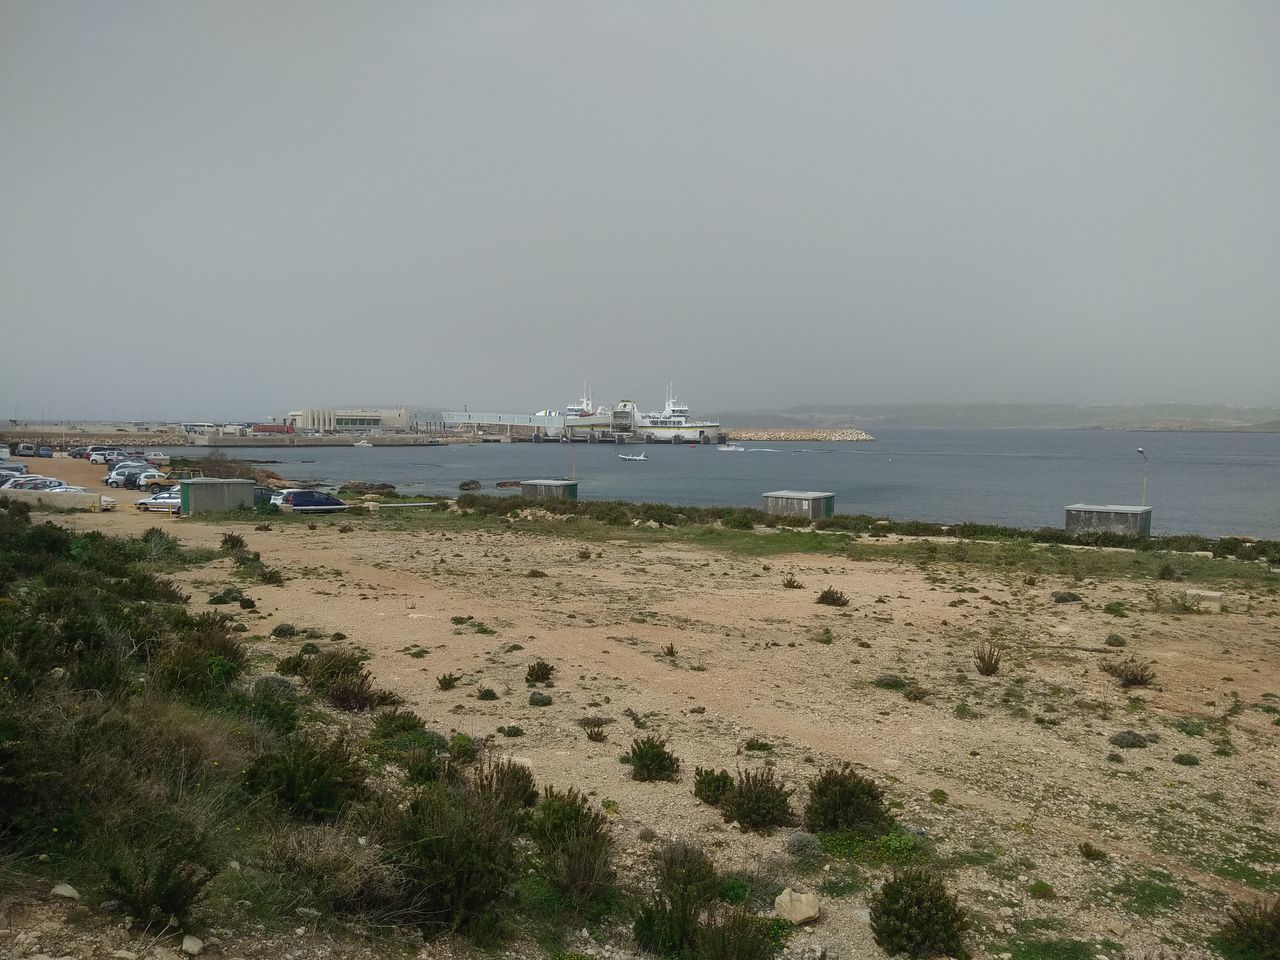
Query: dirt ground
[[1007, 775]]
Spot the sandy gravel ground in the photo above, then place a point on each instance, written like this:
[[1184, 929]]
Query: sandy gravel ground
[[1021, 758]]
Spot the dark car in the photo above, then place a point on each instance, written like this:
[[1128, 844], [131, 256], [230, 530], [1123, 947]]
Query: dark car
[[45, 452], [78, 453], [312, 501]]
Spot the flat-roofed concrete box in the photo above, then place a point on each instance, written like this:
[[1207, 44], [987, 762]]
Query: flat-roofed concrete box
[[813, 504], [211, 495], [1108, 518], [549, 489]]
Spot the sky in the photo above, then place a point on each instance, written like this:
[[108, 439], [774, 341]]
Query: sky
[[226, 210]]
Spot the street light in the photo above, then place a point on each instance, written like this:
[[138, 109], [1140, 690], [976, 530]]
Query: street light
[[1145, 461]]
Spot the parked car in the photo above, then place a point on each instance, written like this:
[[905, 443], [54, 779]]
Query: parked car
[[32, 483], [25, 450], [165, 500], [110, 456], [78, 453], [105, 502], [309, 501], [45, 452], [12, 468], [120, 474]]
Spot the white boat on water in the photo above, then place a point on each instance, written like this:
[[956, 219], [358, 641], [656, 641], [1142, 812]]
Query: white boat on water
[[635, 458], [362, 443], [731, 448]]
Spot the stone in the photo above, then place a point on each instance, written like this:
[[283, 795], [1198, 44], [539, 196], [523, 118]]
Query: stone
[[124, 955], [308, 912], [66, 891], [796, 907], [1066, 596], [192, 946]]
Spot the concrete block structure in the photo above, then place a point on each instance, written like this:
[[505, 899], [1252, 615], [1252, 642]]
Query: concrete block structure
[[1108, 518], [549, 489], [813, 504], [211, 495]]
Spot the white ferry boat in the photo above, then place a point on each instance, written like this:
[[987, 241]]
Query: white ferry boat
[[672, 423]]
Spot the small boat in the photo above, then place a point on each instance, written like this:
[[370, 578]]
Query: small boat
[[362, 443], [633, 457], [731, 448]]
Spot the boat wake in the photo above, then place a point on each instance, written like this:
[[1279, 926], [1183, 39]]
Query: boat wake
[[763, 450]]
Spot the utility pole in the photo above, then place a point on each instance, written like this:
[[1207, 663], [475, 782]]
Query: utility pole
[[1144, 475]]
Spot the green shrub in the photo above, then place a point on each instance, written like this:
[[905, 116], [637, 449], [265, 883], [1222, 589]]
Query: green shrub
[[1040, 890], [447, 681], [538, 672], [1092, 853], [462, 749], [914, 914], [757, 801], [1131, 673], [486, 693], [536, 574], [233, 543], [313, 779], [791, 583], [711, 786], [650, 759], [832, 597], [355, 691], [457, 849], [511, 730], [1115, 640], [392, 723], [1128, 740], [842, 799], [342, 876], [1186, 760], [986, 658], [668, 922], [159, 876], [736, 933], [805, 847], [508, 783], [282, 631], [1251, 932], [594, 727], [575, 850]]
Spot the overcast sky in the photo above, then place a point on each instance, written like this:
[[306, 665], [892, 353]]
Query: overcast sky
[[226, 210]]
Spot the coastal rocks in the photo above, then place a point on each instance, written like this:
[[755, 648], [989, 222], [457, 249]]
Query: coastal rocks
[[508, 484], [848, 434], [469, 485], [364, 486], [797, 907]]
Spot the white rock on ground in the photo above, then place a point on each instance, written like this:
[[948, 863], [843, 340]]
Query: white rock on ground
[[192, 945], [796, 907], [65, 890]]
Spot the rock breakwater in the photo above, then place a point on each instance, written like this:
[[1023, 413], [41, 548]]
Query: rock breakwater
[[848, 434]]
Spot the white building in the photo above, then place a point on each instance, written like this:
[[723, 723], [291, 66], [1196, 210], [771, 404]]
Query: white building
[[395, 420]]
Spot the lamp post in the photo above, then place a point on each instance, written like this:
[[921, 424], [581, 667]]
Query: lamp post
[[1145, 461]]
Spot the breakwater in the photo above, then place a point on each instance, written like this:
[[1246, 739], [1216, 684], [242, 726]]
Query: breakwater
[[843, 434]]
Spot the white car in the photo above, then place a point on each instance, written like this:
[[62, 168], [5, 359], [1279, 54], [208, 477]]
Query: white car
[[31, 483], [166, 500], [106, 456], [107, 503]]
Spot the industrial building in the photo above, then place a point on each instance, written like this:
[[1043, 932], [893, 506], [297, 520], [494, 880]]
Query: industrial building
[[396, 420]]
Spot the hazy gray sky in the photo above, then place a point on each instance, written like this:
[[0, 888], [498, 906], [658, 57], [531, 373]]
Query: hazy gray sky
[[251, 207]]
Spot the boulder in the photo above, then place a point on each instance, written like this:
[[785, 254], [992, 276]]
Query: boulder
[[192, 946], [1066, 596], [66, 891], [796, 907]]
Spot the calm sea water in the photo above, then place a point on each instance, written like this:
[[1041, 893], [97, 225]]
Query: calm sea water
[[1211, 483]]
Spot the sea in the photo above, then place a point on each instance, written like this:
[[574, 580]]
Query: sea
[[1217, 484]]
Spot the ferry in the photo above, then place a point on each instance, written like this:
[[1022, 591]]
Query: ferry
[[634, 458], [673, 422]]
